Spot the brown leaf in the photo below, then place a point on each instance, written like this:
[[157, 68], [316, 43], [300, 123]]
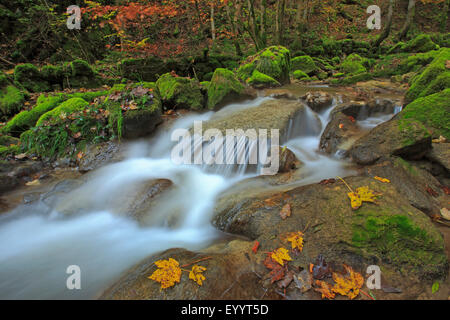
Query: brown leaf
[[286, 281], [277, 271], [445, 213], [327, 181], [431, 192], [285, 211]]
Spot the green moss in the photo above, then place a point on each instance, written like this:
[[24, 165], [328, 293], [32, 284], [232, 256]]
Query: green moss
[[399, 162], [261, 80], [9, 151], [305, 64], [27, 119], [421, 43], [30, 78], [300, 75], [146, 69], [11, 100], [352, 79], [398, 240], [223, 85], [354, 64], [273, 61], [179, 92], [67, 107], [433, 111], [53, 74], [4, 81], [7, 141], [434, 78], [410, 131]]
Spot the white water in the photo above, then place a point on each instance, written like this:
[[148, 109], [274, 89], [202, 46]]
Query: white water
[[38, 243]]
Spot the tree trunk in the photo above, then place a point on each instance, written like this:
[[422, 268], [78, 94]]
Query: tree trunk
[[280, 25], [387, 28], [213, 25], [234, 30], [409, 19], [263, 34]]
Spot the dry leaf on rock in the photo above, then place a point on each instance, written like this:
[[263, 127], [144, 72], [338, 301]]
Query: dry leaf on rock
[[196, 274], [167, 274]]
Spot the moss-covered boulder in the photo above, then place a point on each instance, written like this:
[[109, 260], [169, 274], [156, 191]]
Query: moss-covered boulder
[[135, 110], [421, 43], [80, 75], [28, 118], [407, 138], [11, 100], [180, 92], [433, 111], [273, 61], [260, 80], [29, 77], [146, 69], [434, 78], [300, 75], [224, 88], [58, 113], [305, 64], [354, 64]]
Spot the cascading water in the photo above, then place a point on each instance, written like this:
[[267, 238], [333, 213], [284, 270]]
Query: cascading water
[[39, 241]]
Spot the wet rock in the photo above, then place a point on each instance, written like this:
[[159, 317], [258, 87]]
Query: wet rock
[[359, 238], [141, 123], [340, 134], [98, 155], [60, 190], [13, 174], [232, 272], [288, 161], [440, 153], [405, 138], [274, 114], [363, 110], [318, 101]]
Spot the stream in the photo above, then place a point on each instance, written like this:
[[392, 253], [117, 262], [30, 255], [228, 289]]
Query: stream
[[38, 242]]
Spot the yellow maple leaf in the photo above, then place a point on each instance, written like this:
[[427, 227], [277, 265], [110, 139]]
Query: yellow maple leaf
[[325, 289], [296, 240], [382, 179], [348, 285], [363, 194], [196, 274], [280, 255], [167, 274]]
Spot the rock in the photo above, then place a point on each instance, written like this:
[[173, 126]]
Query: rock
[[98, 155], [141, 123], [405, 138], [340, 134], [288, 161], [318, 101], [361, 110], [391, 233], [231, 273], [145, 69], [14, 174], [305, 64], [180, 92], [260, 80], [11, 100], [440, 153], [225, 88], [273, 114], [274, 62]]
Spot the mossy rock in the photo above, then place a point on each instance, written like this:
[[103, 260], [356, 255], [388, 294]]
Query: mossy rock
[[9, 151], [11, 100], [7, 141], [223, 88], [29, 76], [354, 64], [27, 119], [434, 78], [80, 75], [180, 92], [273, 61], [260, 80], [433, 111], [70, 106], [305, 64], [146, 69], [421, 43], [4, 81], [345, 81], [300, 75]]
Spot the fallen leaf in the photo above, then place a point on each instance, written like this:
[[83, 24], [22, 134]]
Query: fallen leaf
[[80, 155], [440, 140], [20, 156], [327, 181], [286, 281], [167, 274], [33, 183], [445, 213], [77, 135], [277, 272], [348, 285], [321, 269], [196, 274], [435, 287], [382, 179], [446, 190], [325, 289], [285, 211], [255, 247], [280, 255], [303, 281], [341, 126], [431, 192], [363, 194], [296, 240]]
